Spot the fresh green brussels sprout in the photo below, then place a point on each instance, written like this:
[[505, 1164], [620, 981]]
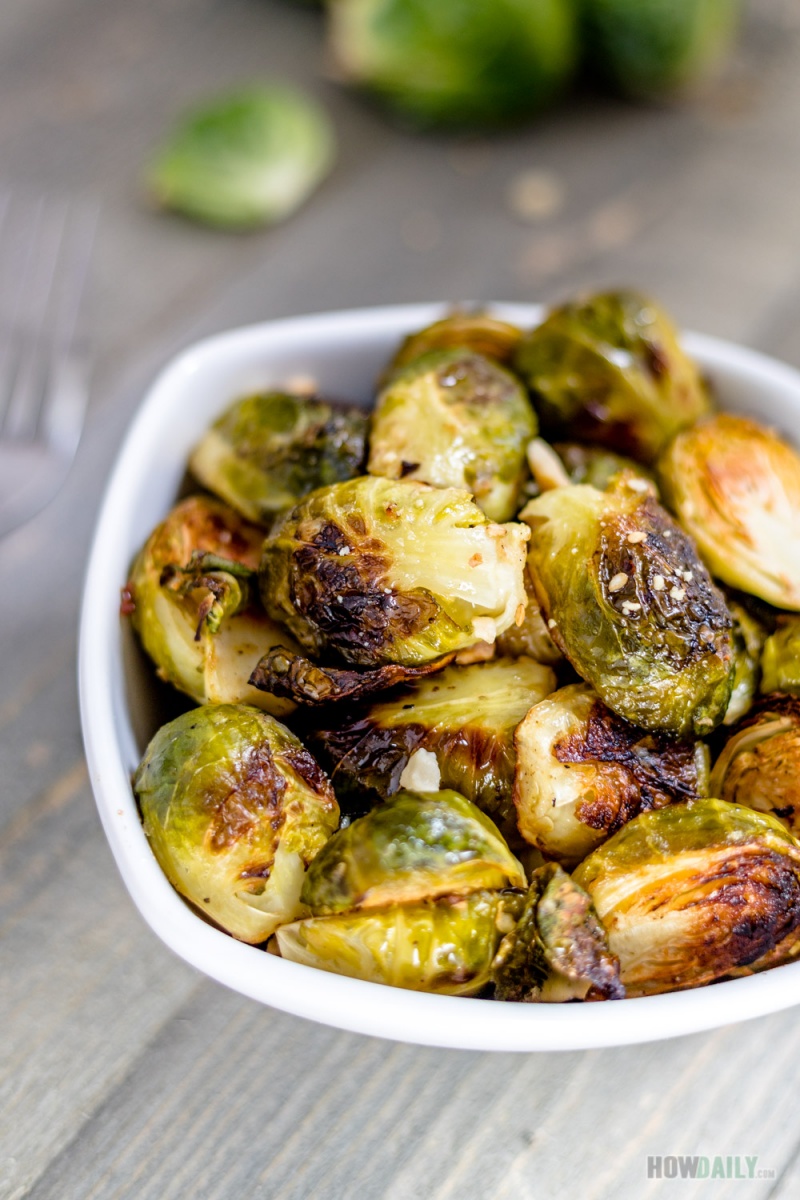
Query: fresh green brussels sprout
[[630, 604], [455, 419], [597, 466], [416, 846], [464, 63], [748, 643], [735, 486], [235, 808], [193, 601], [459, 724], [647, 47], [244, 159], [582, 772], [780, 658], [297, 678], [532, 637], [760, 763], [609, 369], [478, 332], [558, 949], [694, 892], [267, 451], [444, 946], [379, 571]]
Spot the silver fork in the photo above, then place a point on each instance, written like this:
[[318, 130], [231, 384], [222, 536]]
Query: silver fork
[[45, 249]]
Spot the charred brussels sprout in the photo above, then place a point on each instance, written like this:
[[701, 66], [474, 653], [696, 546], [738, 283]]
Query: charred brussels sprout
[[748, 643], [631, 606], [378, 571], [464, 718], [455, 419], [595, 465], [558, 950], [235, 808], [760, 763], [780, 659], [610, 369], [478, 332], [193, 599], [582, 772], [735, 486], [267, 451], [694, 892]]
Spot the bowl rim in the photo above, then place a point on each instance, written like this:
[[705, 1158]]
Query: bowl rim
[[344, 1003]]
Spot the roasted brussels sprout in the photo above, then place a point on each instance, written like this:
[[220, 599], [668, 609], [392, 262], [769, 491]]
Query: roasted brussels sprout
[[694, 892], [378, 571], [631, 606], [748, 643], [459, 63], [235, 808], [582, 772], [478, 332], [455, 419], [595, 465], [464, 717], [780, 658], [760, 763], [245, 159], [735, 486], [610, 369], [267, 451], [193, 601], [558, 949], [532, 637]]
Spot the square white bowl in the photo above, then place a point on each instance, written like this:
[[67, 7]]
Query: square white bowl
[[343, 352]]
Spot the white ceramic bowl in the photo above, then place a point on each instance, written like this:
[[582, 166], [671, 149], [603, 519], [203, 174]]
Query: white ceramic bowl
[[343, 352]]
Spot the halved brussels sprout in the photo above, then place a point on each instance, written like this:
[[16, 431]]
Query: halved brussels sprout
[[596, 465], [445, 946], [735, 486], [297, 678], [378, 571], [558, 949], [760, 763], [780, 658], [193, 601], [464, 716], [417, 846], [609, 369], [694, 892], [267, 451], [455, 419], [630, 604], [235, 808], [582, 772], [532, 637], [476, 331], [748, 642]]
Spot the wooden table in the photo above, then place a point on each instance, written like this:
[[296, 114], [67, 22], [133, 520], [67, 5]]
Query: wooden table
[[122, 1072]]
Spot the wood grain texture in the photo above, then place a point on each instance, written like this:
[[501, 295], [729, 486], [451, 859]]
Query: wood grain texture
[[123, 1074]]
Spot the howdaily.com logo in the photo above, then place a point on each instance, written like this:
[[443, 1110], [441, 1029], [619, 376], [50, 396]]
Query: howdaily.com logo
[[706, 1166]]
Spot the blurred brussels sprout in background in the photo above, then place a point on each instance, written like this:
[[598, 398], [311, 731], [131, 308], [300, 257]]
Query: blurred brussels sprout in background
[[234, 808], [475, 331], [245, 159], [735, 486], [193, 600], [455, 419], [693, 892], [760, 763], [748, 643], [780, 659], [532, 637], [378, 571], [267, 451], [582, 772], [464, 62], [597, 466], [558, 950], [648, 47], [464, 716], [609, 369], [631, 606]]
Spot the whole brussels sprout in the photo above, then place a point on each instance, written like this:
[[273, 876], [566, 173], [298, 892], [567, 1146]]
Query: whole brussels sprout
[[476, 331], [597, 466], [267, 451], [748, 642], [464, 717], [735, 486], [630, 604], [531, 638], [558, 949], [378, 571], [760, 763], [693, 892], [582, 772], [465, 62], [609, 369], [193, 601], [234, 808], [455, 419], [780, 658]]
